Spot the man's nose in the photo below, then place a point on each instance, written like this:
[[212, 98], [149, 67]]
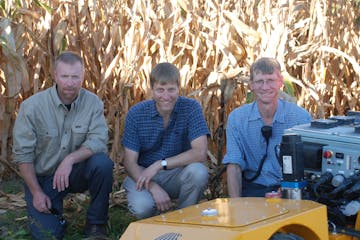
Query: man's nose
[[166, 95], [71, 79]]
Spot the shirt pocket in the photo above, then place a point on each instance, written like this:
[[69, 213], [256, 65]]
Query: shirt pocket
[[79, 134], [48, 140]]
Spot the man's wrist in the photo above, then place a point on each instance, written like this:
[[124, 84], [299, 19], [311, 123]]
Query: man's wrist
[[164, 164]]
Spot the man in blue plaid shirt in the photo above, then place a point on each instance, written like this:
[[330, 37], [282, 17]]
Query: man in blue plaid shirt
[[165, 142]]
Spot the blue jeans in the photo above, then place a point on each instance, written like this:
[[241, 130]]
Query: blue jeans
[[186, 184], [251, 189], [94, 174]]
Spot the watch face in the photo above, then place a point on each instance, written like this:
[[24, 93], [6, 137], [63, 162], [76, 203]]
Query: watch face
[[164, 164]]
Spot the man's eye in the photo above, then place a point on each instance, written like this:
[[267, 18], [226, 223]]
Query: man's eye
[[259, 82], [269, 82]]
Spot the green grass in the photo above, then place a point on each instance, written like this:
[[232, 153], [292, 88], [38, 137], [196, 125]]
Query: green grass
[[13, 223]]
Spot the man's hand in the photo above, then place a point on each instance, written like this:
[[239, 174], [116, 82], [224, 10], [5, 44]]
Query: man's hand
[[62, 173], [61, 176], [162, 199], [146, 175], [41, 202]]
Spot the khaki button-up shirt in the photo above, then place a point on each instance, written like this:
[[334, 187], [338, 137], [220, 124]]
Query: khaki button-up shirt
[[45, 131]]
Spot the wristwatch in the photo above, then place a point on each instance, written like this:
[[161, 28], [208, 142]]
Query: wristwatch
[[164, 164]]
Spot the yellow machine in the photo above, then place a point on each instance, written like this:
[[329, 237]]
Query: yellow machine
[[235, 218]]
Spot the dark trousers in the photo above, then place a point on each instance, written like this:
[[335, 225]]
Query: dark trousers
[[94, 174], [251, 189]]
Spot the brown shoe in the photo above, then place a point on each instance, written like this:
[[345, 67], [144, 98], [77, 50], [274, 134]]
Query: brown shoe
[[97, 231]]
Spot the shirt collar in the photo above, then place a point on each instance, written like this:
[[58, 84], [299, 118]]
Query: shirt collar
[[55, 96], [57, 100], [155, 113], [279, 113]]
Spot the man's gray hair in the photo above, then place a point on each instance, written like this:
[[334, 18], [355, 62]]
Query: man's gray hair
[[163, 73], [68, 57]]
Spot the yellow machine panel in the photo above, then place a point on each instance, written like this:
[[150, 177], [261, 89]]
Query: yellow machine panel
[[235, 218]]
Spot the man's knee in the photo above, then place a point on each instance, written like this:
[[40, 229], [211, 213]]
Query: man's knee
[[142, 208], [102, 163], [198, 173], [140, 204]]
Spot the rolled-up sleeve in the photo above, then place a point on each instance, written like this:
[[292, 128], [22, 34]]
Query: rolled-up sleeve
[[24, 137]]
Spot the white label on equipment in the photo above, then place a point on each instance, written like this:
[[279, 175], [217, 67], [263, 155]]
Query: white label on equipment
[[287, 165]]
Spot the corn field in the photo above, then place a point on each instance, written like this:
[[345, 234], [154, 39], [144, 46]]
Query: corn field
[[212, 42]]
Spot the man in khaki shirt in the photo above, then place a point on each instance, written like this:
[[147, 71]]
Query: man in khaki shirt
[[60, 144]]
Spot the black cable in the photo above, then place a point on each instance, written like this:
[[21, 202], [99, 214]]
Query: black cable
[[353, 192], [324, 178], [257, 174], [266, 131], [347, 231], [348, 182]]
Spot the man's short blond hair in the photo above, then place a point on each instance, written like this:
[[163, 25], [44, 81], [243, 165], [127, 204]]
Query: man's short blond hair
[[264, 65]]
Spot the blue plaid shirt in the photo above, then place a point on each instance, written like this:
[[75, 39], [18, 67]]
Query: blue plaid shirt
[[246, 146], [145, 133]]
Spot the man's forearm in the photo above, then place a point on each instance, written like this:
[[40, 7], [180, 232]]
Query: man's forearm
[[27, 172], [234, 180], [197, 153], [79, 155], [132, 169]]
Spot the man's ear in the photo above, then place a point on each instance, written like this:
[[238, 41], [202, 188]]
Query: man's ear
[[281, 78], [251, 87]]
